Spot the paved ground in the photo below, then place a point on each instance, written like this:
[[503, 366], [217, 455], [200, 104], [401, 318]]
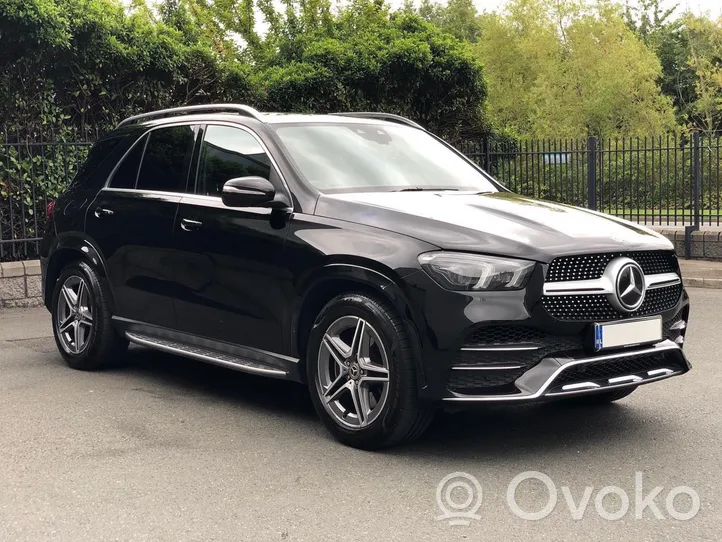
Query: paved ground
[[701, 268], [168, 449]]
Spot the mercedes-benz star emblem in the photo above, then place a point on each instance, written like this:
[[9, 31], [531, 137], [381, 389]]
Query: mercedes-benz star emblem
[[629, 287]]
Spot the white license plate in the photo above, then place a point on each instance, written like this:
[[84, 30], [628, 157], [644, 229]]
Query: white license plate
[[617, 334]]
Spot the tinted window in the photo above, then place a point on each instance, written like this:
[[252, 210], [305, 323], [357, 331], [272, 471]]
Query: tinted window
[[127, 172], [166, 158], [228, 153], [100, 151]]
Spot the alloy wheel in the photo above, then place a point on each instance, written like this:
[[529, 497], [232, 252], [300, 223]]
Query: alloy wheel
[[353, 372], [74, 317]]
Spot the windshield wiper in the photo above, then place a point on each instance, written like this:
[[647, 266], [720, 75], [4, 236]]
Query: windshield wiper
[[422, 189]]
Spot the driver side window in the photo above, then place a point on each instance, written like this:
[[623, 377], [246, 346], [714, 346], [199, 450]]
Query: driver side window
[[228, 153]]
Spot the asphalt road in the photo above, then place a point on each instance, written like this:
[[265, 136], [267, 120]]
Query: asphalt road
[[170, 449]]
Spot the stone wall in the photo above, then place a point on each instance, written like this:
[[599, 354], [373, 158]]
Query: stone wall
[[706, 244], [20, 284]]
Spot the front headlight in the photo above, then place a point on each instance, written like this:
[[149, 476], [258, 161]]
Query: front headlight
[[471, 272]]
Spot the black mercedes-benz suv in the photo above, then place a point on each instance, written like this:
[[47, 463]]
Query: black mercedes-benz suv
[[356, 253]]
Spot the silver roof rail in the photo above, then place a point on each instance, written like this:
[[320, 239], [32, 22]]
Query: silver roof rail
[[380, 116], [221, 108]]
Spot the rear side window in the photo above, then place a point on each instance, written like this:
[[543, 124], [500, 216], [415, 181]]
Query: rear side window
[[127, 173], [98, 153], [228, 153], [166, 158]]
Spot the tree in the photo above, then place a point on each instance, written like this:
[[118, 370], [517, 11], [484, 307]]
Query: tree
[[79, 63], [570, 69], [705, 58], [457, 17], [659, 30]]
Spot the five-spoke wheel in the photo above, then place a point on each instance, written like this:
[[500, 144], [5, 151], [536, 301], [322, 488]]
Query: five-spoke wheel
[[362, 374], [353, 371], [74, 315], [82, 319]]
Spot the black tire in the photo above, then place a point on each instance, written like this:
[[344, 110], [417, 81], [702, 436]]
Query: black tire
[[603, 397], [403, 417], [103, 345]]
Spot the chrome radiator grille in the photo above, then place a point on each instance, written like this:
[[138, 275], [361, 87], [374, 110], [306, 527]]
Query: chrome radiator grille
[[591, 266]]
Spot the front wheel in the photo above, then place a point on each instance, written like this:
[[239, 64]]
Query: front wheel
[[82, 323], [361, 374]]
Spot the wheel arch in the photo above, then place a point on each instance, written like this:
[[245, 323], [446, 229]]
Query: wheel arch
[[336, 278], [70, 249]]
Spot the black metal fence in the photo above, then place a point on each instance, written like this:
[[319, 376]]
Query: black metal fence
[[33, 172], [670, 180]]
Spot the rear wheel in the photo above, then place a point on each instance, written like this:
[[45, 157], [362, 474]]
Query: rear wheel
[[82, 323], [361, 374]]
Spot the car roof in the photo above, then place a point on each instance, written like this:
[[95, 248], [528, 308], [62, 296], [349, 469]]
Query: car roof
[[269, 118], [288, 118]]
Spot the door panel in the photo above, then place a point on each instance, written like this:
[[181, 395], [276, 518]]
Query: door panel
[[228, 272], [134, 231], [132, 222]]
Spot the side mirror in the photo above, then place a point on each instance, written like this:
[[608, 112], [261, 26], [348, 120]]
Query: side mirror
[[247, 192]]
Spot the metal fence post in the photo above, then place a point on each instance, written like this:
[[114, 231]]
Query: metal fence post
[[695, 196], [592, 173], [487, 154]]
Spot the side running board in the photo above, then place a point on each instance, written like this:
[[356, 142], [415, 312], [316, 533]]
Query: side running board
[[207, 355]]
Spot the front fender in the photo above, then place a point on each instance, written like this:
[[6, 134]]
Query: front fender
[[370, 278]]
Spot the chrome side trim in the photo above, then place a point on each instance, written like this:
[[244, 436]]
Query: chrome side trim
[[486, 368], [621, 379], [203, 354], [535, 382], [603, 285], [499, 348], [661, 280], [656, 372], [613, 386], [681, 324], [580, 386]]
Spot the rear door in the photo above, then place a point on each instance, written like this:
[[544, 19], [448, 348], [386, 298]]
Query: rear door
[[131, 220]]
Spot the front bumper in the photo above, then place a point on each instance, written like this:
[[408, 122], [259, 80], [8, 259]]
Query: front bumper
[[517, 346], [562, 376]]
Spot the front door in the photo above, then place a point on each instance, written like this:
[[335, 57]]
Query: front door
[[131, 221], [230, 259]]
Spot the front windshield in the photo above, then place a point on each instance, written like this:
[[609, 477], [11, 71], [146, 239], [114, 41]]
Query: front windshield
[[368, 157]]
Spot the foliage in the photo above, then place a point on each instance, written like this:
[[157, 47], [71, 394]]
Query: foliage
[[72, 69], [569, 70], [89, 63], [457, 17], [704, 37]]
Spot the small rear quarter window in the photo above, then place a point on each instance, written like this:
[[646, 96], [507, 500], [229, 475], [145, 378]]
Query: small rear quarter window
[[127, 173]]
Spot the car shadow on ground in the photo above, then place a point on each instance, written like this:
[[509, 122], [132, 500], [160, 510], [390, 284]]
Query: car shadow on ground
[[511, 431]]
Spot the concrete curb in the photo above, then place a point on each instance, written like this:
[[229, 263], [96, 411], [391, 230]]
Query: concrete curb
[[692, 282]]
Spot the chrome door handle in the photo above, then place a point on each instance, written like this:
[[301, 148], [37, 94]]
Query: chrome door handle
[[100, 212], [190, 225]]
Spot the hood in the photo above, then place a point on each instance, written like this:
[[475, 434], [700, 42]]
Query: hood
[[494, 223]]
